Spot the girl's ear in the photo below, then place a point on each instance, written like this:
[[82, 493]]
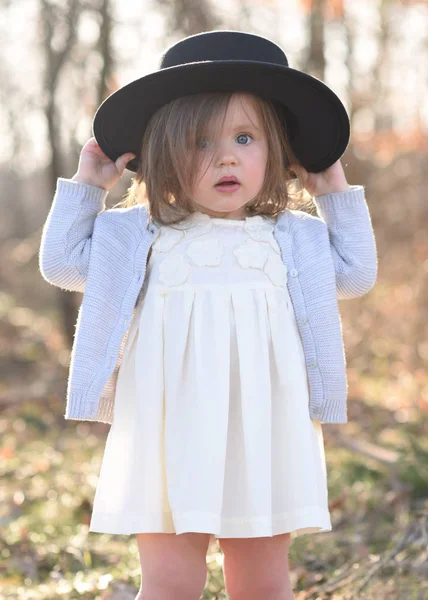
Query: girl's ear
[[296, 169]]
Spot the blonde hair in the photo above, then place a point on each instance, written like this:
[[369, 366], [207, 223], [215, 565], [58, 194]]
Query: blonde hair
[[171, 159]]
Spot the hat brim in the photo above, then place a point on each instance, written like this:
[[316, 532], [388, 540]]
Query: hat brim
[[319, 124]]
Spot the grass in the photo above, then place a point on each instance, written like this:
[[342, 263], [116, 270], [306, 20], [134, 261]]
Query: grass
[[49, 474]]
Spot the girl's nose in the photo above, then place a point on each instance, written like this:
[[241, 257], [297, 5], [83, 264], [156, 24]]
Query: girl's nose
[[226, 157], [228, 160]]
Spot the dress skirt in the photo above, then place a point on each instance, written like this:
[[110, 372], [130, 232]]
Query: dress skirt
[[211, 430]]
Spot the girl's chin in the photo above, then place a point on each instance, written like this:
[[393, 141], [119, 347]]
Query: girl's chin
[[226, 214], [221, 207]]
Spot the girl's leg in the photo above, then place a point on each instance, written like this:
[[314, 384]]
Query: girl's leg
[[256, 568], [173, 567]]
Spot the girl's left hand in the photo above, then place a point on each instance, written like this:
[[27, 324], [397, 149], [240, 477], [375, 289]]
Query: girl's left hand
[[326, 182]]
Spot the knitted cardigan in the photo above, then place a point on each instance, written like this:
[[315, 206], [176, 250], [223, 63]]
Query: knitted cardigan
[[103, 254]]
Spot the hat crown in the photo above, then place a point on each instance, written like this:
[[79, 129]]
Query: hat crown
[[223, 45]]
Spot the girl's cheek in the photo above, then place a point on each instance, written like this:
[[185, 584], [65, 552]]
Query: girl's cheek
[[258, 156]]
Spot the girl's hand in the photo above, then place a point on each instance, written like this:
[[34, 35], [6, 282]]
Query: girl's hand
[[95, 167], [331, 180]]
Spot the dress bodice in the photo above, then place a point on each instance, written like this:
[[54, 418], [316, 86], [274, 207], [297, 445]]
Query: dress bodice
[[204, 250]]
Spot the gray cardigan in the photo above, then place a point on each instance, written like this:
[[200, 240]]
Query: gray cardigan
[[103, 254]]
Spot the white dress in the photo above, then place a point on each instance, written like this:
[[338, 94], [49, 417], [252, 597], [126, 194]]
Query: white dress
[[211, 430]]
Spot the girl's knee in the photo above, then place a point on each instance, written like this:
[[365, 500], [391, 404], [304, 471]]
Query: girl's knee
[[171, 585], [266, 583], [172, 567], [257, 568], [268, 590]]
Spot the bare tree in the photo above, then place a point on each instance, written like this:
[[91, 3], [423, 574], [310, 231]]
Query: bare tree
[[58, 25], [383, 118], [188, 17], [315, 59], [53, 16]]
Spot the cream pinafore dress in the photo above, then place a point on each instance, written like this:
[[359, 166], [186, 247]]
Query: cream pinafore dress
[[211, 430]]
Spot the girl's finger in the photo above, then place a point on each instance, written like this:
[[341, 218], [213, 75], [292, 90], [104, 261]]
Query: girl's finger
[[123, 160]]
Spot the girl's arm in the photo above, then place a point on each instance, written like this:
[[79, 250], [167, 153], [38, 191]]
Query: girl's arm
[[66, 237], [344, 210], [352, 240]]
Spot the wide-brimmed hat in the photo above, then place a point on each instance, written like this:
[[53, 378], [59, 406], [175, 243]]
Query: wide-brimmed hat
[[222, 60]]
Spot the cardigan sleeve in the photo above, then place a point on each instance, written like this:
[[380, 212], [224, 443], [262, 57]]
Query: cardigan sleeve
[[67, 234], [352, 240]]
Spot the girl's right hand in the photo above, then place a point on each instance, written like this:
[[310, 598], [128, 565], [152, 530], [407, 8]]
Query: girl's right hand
[[95, 168]]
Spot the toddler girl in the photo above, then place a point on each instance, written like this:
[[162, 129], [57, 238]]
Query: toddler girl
[[209, 334]]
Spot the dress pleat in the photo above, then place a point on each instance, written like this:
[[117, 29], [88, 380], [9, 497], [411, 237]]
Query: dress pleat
[[211, 430]]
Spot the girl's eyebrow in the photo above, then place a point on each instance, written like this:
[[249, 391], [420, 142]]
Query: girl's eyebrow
[[246, 126]]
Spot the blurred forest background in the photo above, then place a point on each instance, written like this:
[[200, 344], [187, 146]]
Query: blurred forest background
[[59, 60]]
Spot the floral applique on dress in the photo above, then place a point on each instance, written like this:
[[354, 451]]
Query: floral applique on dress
[[261, 230], [167, 239], [251, 254], [174, 270], [276, 270], [256, 252], [206, 253], [195, 225]]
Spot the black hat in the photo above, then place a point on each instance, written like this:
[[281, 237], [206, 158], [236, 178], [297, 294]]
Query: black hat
[[317, 122]]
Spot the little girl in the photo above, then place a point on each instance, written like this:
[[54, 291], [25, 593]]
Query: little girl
[[209, 335]]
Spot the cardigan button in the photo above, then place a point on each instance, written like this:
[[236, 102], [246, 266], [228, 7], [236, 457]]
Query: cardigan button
[[312, 364], [293, 273], [303, 320]]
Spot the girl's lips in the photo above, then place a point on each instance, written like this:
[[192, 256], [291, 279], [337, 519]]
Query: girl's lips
[[229, 187]]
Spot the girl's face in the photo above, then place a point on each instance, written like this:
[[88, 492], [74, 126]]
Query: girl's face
[[240, 151]]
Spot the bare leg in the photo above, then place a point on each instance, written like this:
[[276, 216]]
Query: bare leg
[[173, 567], [256, 568]]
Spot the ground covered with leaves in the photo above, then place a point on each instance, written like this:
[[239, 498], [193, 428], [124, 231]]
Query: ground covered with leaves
[[378, 492]]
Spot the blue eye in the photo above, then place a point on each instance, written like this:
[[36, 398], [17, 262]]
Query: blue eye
[[205, 143], [244, 135]]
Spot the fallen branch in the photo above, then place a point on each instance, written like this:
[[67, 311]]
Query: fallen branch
[[416, 532], [384, 455]]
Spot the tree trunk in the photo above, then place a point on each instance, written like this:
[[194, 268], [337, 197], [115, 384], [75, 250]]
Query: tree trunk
[[315, 60]]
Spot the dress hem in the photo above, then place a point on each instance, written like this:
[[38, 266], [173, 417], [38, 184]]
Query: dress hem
[[311, 520]]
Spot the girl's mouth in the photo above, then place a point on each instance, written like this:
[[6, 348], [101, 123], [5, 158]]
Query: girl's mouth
[[228, 186]]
